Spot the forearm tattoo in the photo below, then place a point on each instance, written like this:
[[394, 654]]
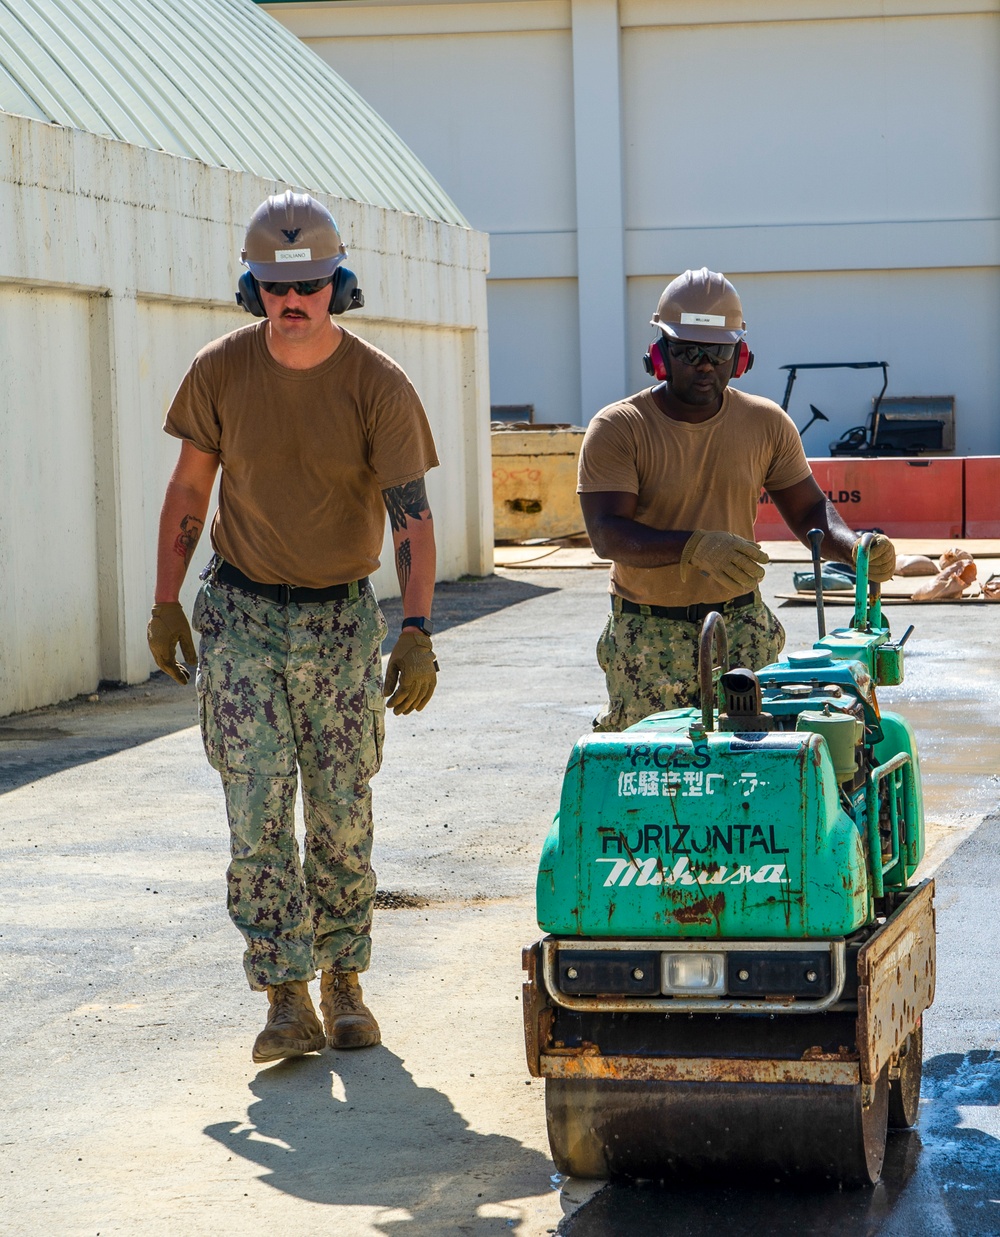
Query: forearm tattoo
[[187, 538], [404, 561], [405, 500]]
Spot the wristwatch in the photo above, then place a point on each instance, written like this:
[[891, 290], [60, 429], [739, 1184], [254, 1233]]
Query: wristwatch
[[420, 622]]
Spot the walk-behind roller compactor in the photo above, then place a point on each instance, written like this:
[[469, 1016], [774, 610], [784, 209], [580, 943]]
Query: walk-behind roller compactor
[[737, 963]]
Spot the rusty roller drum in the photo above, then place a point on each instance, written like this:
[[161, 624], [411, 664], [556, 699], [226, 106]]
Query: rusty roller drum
[[662, 1131]]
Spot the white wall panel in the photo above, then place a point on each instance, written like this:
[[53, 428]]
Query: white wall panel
[[490, 115], [812, 122], [48, 528], [535, 347], [898, 317]]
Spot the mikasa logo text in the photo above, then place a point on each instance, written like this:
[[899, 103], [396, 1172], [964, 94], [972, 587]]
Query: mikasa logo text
[[652, 872]]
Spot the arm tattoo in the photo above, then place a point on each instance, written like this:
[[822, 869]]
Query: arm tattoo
[[187, 538], [404, 562], [403, 500]]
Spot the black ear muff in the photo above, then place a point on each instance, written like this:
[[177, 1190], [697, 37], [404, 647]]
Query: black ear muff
[[248, 295], [345, 292], [744, 359], [655, 361]]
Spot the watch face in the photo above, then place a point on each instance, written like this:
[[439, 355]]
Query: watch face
[[421, 623]]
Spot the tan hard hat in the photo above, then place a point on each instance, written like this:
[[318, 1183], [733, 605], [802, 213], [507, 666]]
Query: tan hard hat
[[292, 236], [702, 306]]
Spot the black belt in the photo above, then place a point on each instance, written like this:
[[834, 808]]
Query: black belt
[[226, 573], [684, 614]]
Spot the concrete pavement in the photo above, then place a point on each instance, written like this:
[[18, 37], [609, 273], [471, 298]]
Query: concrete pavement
[[130, 1104]]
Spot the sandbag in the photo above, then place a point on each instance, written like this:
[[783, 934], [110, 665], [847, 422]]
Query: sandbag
[[947, 583], [916, 565]]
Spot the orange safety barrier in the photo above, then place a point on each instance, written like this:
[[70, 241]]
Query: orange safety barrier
[[982, 496], [920, 497]]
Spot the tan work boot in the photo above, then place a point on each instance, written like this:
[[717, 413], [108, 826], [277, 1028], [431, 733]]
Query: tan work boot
[[292, 1026], [349, 1021]]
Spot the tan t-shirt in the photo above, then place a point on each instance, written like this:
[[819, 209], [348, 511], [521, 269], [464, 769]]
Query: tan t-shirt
[[687, 476], [305, 454]]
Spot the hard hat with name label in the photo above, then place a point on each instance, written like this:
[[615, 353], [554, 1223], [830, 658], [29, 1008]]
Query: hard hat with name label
[[291, 236], [702, 306]]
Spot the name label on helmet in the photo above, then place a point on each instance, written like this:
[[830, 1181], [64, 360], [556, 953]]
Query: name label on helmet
[[703, 320], [293, 255]]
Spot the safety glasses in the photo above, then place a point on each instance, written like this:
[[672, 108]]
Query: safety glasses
[[302, 287], [691, 354]]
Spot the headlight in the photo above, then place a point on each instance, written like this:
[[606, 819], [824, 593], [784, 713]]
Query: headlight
[[694, 974]]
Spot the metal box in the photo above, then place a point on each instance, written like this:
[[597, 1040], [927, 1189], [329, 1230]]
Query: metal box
[[915, 423]]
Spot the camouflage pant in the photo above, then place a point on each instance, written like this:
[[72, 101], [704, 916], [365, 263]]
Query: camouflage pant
[[281, 686], [651, 664]]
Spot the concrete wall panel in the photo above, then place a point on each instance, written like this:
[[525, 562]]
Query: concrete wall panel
[[48, 519], [491, 112], [811, 122], [535, 347]]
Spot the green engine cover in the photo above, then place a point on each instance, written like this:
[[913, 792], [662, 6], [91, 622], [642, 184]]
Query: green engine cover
[[666, 831]]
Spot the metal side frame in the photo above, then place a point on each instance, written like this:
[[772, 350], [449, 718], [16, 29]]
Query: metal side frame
[[896, 979]]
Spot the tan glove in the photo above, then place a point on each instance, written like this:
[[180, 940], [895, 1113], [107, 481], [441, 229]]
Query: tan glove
[[168, 627], [413, 666], [881, 558], [731, 560]]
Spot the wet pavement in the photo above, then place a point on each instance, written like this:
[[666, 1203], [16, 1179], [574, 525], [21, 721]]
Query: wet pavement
[[127, 1025]]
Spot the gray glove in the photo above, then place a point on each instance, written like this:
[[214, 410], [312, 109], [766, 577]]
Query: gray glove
[[168, 627], [413, 666], [731, 560]]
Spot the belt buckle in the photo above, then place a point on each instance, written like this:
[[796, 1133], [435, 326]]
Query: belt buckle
[[284, 594], [694, 614]]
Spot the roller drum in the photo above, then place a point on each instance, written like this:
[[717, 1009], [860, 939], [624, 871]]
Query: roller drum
[[654, 1130]]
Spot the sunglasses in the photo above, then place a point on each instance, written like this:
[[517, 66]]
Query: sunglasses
[[691, 354], [302, 287]]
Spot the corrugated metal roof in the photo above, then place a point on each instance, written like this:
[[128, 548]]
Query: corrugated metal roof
[[215, 80]]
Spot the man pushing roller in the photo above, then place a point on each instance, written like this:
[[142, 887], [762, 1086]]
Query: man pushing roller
[[669, 482], [317, 434]]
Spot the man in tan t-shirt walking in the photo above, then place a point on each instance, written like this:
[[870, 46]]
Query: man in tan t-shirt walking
[[669, 482], [317, 435]]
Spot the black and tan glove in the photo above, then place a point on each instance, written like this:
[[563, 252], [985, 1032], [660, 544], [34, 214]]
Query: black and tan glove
[[411, 673], [731, 560], [168, 627], [881, 558]]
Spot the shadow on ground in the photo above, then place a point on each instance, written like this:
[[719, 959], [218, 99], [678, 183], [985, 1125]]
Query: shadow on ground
[[45, 741], [462, 601], [941, 1178], [364, 1134]]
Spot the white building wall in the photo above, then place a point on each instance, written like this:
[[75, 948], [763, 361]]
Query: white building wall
[[839, 160], [48, 547], [535, 347], [120, 263]]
